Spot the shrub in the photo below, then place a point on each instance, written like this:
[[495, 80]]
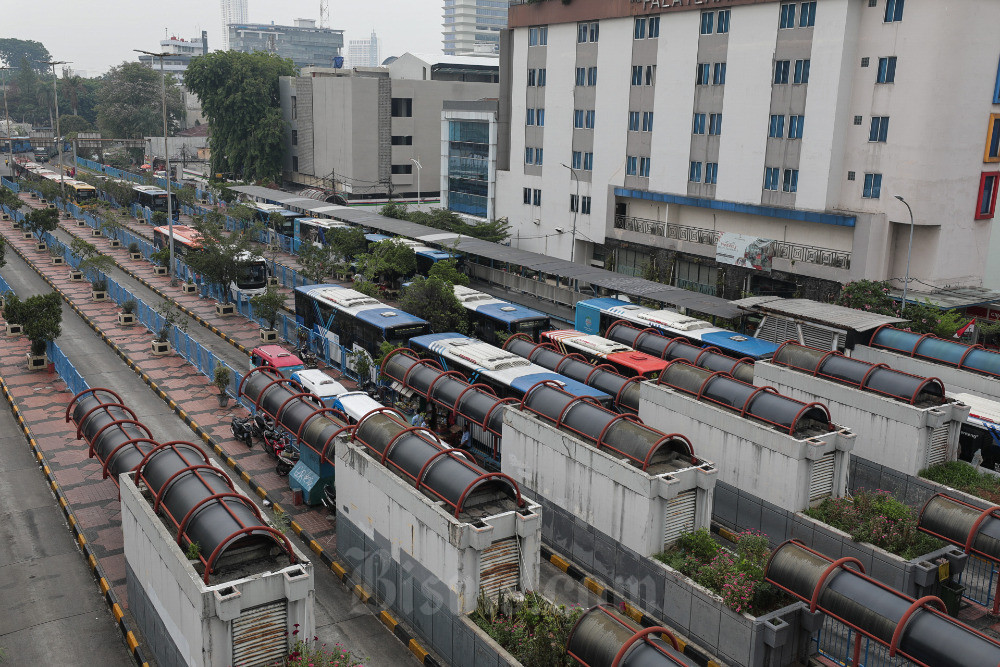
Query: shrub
[[877, 518], [100, 285], [533, 630], [966, 478], [309, 652], [133, 247], [129, 306], [221, 379]]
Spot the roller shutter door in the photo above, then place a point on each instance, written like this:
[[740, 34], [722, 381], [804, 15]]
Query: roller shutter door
[[679, 516], [499, 567], [259, 635]]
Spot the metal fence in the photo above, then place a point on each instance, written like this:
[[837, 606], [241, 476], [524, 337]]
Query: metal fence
[[980, 581], [836, 642]]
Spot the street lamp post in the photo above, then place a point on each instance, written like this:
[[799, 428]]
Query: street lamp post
[[572, 172], [909, 251], [55, 91], [166, 158], [6, 115], [416, 163]]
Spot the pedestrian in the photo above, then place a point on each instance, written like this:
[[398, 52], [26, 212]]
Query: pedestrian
[[466, 440]]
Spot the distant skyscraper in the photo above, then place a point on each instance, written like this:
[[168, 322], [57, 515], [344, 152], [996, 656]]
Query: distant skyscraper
[[473, 26], [303, 42], [233, 11], [364, 52]]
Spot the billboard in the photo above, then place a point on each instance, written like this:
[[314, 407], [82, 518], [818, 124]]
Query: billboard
[[749, 251]]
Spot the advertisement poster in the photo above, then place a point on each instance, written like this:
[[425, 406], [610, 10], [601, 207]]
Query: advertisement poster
[[749, 251]]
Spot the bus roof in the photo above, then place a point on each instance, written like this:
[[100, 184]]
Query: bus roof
[[508, 312], [747, 346], [360, 305], [183, 233], [325, 223], [388, 317]]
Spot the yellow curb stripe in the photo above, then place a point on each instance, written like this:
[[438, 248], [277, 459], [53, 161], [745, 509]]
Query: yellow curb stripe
[[593, 586], [559, 562], [130, 639], [362, 594], [338, 569], [387, 620], [105, 587], [417, 650]]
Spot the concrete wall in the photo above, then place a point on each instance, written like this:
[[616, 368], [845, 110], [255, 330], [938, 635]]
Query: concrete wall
[[618, 499], [889, 431], [182, 610], [751, 456], [955, 379], [379, 502]]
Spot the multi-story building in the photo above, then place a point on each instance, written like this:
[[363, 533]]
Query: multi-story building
[[364, 52], [468, 157], [473, 26], [363, 131], [698, 143], [181, 52], [304, 43], [233, 11]]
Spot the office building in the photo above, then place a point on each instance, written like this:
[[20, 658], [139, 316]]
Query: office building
[[473, 26], [364, 52], [233, 11], [468, 157], [181, 52], [740, 147], [362, 130], [304, 43]]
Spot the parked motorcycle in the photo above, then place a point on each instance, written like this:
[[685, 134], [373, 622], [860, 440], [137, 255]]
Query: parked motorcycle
[[243, 429]]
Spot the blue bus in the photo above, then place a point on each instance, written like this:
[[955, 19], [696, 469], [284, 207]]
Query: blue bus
[[490, 316]]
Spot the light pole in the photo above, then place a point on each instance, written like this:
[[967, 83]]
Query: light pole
[[416, 162], [6, 115], [166, 159], [55, 91], [572, 172], [909, 250]]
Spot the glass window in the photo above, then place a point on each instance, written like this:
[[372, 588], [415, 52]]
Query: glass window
[[787, 15], [722, 25], [401, 107], [578, 119], [719, 74], [801, 71], [531, 77], [543, 35], [777, 127], [711, 172], [694, 173], [647, 121], [532, 36], [703, 75], [588, 161], [577, 159], [893, 10], [640, 28], [795, 126], [781, 70], [526, 193], [771, 178], [636, 75], [574, 202], [879, 129], [654, 29], [631, 165], [715, 123], [807, 15], [790, 181], [581, 32], [581, 76], [698, 126], [402, 169], [589, 121], [529, 117], [644, 167], [529, 155], [539, 117], [541, 76], [707, 19], [886, 70], [993, 139], [538, 156], [402, 140], [585, 205], [633, 121], [591, 76], [650, 75], [873, 186], [536, 198], [595, 31], [988, 185]]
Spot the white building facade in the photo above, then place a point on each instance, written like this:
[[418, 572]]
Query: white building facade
[[669, 126], [364, 52], [473, 26], [233, 11]]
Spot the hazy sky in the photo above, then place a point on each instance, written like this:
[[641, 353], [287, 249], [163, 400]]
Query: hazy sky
[[98, 34]]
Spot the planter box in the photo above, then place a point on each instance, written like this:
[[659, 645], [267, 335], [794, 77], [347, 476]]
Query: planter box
[[272, 281], [81, 223], [34, 196], [41, 247], [160, 348], [115, 243], [40, 201], [36, 363], [14, 329], [28, 236], [268, 336], [50, 205], [75, 276], [99, 295], [135, 255], [58, 261], [189, 288], [67, 215], [5, 216], [160, 270], [224, 309], [16, 225], [95, 232], [126, 319]]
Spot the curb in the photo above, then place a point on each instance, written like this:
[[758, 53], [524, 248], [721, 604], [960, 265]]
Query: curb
[[81, 540], [344, 574], [612, 598]]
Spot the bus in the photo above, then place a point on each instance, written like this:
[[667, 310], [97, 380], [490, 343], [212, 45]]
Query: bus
[[594, 316], [252, 280], [625, 360], [264, 212], [80, 192], [351, 321], [315, 230], [426, 256], [155, 199], [490, 317], [506, 373]]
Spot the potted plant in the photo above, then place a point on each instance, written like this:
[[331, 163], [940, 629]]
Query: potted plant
[[13, 312], [189, 287], [133, 251], [57, 251], [161, 341], [221, 382], [126, 318], [161, 258], [43, 320], [266, 307], [171, 317], [99, 289]]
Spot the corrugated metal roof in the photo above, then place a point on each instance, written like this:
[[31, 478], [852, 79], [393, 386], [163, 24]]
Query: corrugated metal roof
[[616, 282], [829, 314]]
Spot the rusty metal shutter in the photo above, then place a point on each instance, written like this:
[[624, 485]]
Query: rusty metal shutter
[[821, 479], [937, 446], [259, 635], [499, 567], [679, 516]]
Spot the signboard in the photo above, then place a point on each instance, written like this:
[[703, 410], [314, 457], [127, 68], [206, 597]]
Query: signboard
[[749, 251]]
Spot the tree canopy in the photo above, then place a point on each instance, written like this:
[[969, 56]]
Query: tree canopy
[[239, 96], [495, 231], [42, 319], [218, 260], [131, 103], [14, 51], [387, 260], [873, 296], [41, 220], [434, 300], [318, 262]]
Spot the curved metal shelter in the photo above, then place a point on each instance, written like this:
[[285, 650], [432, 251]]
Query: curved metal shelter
[[939, 350], [195, 496], [913, 629], [876, 378], [604, 377], [624, 436], [763, 404], [604, 638], [655, 343]]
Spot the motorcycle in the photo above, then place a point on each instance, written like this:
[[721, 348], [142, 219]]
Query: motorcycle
[[243, 429], [279, 445]]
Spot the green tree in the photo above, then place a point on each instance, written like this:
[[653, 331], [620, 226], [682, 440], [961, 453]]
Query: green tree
[[447, 270], [495, 231], [347, 243], [396, 210], [267, 305], [24, 98], [387, 260], [131, 102], [874, 296], [15, 51], [318, 262], [111, 221], [434, 300], [3, 252], [10, 199], [42, 320], [187, 195], [71, 89], [239, 95], [218, 261], [72, 125], [91, 259], [41, 220]]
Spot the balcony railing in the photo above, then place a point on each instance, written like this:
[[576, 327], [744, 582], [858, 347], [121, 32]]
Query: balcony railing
[[794, 252]]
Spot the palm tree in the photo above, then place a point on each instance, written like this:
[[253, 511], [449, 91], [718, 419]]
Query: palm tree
[[44, 94], [72, 85]]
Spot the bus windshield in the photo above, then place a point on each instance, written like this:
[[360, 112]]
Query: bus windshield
[[252, 276]]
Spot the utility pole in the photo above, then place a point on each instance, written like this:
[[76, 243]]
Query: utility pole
[[416, 163], [6, 115], [55, 90]]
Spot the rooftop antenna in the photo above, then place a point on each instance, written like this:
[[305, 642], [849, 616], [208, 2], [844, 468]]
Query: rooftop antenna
[[324, 13]]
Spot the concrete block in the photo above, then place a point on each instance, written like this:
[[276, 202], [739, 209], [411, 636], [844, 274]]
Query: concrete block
[[724, 504], [406, 596], [889, 573], [626, 567], [800, 529], [444, 623], [650, 585], [463, 644], [422, 615], [676, 604], [892, 481], [605, 555], [705, 621], [774, 523], [748, 512], [860, 551], [583, 546], [917, 493], [734, 638], [386, 581], [829, 545], [485, 655], [561, 536]]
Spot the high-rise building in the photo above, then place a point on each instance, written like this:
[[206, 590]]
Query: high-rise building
[[306, 44], [784, 134], [181, 52], [233, 11], [473, 26], [364, 52]]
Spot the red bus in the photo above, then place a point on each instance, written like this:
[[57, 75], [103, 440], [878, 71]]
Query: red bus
[[627, 361]]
